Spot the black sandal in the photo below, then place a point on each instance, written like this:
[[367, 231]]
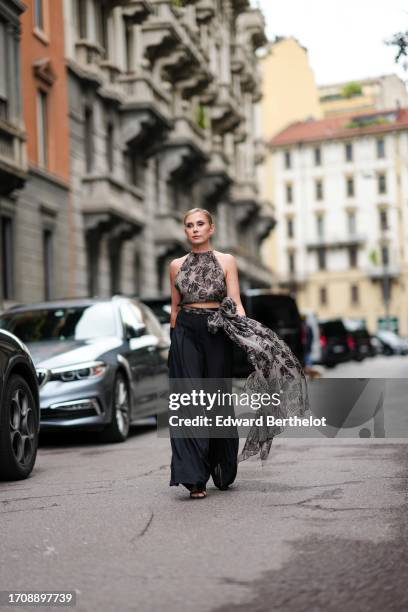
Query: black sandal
[[198, 494]]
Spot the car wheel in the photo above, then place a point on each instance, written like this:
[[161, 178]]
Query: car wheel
[[118, 428], [18, 430]]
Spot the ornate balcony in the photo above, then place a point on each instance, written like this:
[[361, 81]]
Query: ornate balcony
[[381, 272], [205, 10], [216, 179], [244, 195], [161, 32], [169, 234], [264, 221], [336, 242], [251, 29], [88, 56], [13, 164], [185, 152], [108, 204], [137, 11], [146, 112], [226, 112]]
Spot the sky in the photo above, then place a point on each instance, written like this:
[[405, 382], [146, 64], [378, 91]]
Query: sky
[[344, 38]]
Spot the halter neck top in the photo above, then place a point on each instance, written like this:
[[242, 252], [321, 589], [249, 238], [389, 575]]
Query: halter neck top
[[201, 279]]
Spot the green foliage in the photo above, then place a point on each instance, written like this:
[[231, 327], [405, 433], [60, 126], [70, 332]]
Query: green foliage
[[202, 117], [359, 122], [351, 89]]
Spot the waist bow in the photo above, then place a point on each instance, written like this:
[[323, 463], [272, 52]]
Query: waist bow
[[227, 310]]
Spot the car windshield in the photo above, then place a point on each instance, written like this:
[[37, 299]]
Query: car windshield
[[71, 323]]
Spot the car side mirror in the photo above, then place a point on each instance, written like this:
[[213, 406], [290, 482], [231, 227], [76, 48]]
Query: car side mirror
[[135, 331]]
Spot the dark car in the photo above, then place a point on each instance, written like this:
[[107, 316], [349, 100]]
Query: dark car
[[280, 314], [161, 307], [335, 342], [358, 339], [19, 409], [105, 362]]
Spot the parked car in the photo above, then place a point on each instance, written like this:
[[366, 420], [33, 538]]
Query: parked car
[[279, 313], [19, 409], [161, 307], [393, 344], [358, 339], [105, 362], [335, 342]]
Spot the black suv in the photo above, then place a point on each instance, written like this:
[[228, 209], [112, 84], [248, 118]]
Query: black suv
[[335, 343]]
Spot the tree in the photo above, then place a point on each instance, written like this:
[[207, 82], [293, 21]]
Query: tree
[[400, 41]]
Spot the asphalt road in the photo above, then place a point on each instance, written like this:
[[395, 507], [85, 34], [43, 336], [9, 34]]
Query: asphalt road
[[321, 526]]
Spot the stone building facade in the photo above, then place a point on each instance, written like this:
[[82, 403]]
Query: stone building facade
[[163, 112], [121, 115], [34, 153]]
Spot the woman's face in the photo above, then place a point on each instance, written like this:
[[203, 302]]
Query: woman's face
[[198, 229]]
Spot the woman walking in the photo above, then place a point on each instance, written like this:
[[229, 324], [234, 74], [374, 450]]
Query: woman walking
[[207, 318]]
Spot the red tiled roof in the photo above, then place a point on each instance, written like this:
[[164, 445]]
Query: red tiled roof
[[336, 127]]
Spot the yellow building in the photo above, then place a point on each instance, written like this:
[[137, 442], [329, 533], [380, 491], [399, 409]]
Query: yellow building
[[289, 94], [366, 95]]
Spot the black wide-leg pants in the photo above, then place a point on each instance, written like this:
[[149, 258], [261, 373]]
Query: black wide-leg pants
[[196, 353]]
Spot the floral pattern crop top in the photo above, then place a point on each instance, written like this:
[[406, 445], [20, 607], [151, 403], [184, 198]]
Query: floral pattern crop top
[[201, 279]]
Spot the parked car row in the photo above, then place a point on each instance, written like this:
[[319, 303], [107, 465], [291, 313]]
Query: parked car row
[[101, 364]]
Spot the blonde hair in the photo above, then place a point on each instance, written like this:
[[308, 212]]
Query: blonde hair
[[201, 210]]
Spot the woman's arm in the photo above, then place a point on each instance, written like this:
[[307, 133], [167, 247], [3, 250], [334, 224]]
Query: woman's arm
[[231, 278], [175, 294]]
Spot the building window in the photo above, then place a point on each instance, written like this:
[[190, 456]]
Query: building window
[[130, 47], [380, 148], [291, 262], [350, 187], [48, 263], [385, 255], [7, 263], [321, 259], [351, 222], [352, 254], [88, 139], [110, 146], [349, 151], [382, 183], [383, 220], [354, 294], [3, 73], [319, 190], [317, 156], [289, 227], [320, 226], [289, 193], [39, 14], [81, 18], [102, 28], [323, 296], [42, 129], [288, 160]]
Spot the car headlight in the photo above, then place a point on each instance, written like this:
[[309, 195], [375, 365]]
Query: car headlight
[[79, 371]]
